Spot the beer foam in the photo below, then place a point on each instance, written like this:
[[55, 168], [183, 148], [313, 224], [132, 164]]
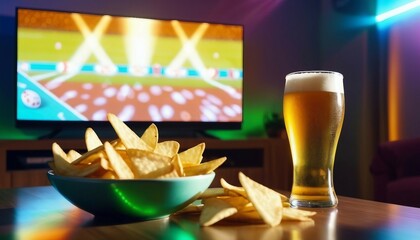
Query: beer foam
[[314, 81]]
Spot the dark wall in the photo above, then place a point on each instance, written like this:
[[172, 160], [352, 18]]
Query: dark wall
[[348, 45], [403, 38]]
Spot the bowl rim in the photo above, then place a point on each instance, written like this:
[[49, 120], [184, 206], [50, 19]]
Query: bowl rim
[[51, 174]]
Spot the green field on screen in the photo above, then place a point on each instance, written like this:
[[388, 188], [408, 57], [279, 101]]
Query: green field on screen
[[37, 45]]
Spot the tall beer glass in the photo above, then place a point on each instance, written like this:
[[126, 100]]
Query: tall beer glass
[[313, 113]]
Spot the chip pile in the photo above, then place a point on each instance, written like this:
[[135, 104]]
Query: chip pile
[[131, 156], [250, 203]]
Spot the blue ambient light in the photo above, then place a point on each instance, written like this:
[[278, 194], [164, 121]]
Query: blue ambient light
[[397, 11]]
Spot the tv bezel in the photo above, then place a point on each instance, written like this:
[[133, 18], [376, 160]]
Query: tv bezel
[[177, 127]]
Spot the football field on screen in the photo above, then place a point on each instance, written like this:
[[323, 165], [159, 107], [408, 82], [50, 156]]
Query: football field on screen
[[41, 51], [48, 46]]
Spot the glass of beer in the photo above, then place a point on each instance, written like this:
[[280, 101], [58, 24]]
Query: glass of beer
[[313, 109]]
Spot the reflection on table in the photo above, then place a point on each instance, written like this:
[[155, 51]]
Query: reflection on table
[[41, 213]]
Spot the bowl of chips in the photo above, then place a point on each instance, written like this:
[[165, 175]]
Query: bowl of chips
[[144, 199], [131, 176]]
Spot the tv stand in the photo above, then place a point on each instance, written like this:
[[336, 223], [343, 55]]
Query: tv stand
[[266, 160]]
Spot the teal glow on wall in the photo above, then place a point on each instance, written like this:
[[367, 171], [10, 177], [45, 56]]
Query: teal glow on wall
[[395, 11]]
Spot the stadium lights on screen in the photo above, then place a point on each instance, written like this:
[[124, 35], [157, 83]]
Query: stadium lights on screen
[[76, 67]]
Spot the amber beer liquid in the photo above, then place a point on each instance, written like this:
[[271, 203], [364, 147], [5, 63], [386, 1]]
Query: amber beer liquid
[[313, 113]]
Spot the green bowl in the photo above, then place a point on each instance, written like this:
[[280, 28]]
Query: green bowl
[[143, 199]]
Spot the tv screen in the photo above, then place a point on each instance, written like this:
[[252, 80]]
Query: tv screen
[[74, 68]]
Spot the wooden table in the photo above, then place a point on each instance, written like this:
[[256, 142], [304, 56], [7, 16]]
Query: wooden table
[[41, 213]]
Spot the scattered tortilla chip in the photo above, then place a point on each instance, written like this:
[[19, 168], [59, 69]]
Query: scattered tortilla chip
[[267, 201], [192, 208], [214, 210], [297, 214], [254, 204], [212, 192], [229, 188]]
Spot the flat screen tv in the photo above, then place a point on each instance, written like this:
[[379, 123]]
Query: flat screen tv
[[73, 68]]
